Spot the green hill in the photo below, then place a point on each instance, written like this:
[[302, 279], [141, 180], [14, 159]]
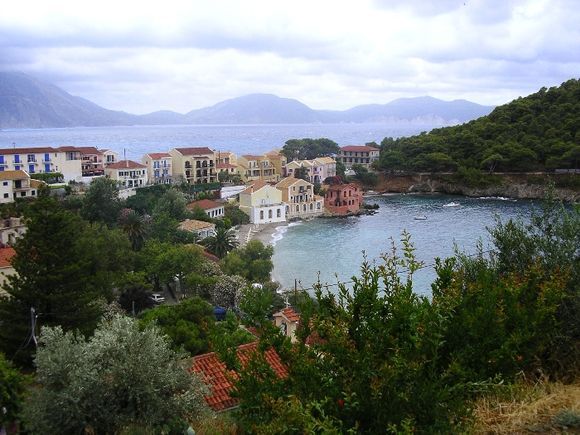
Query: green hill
[[540, 132]]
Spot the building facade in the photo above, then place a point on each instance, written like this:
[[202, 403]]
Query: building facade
[[317, 170], [65, 160], [127, 173], [158, 168], [92, 162], [195, 165], [255, 168], [299, 197], [358, 154], [213, 209], [11, 229], [17, 184], [343, 199], [262, 202], [201, 228]]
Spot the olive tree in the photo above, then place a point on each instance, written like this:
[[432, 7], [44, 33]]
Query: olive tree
[[121, 377]]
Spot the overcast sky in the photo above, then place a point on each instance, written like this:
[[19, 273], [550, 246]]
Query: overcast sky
[[147, 55]]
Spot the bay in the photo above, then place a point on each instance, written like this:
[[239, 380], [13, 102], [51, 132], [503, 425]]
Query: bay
[[240, 139], [332, 249]]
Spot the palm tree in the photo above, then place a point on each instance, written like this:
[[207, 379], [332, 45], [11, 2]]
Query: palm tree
[[221, 243], [135, 226]]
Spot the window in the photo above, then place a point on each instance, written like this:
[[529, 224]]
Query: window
[[16, 158], [5, 183], [22, 193], [5, 195], [270, 214], [279, 213], [261, 214], [33, 192], [31, 158]]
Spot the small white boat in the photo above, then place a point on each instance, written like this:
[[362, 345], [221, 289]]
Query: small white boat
[[452, 204], [420, 218]]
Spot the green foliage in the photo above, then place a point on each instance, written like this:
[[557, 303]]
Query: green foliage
[[226, 336], [135, 293], [187, 324], [49, 177], [63, 267], [538, 132], [307, 149], [253, 261], [12, 384], [473, 177], [222, 242], [101, 202], [363, 175], [302, 173], [227, 290], [135, 226], [120, 377], [174, 203], [235, 215]]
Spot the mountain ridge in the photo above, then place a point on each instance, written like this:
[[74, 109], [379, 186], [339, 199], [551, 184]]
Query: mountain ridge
[[26, 102]]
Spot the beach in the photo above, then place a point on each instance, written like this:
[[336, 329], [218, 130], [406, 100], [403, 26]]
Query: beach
[[265, 233]]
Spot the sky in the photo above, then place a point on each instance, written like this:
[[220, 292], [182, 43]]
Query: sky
[[147, 55]]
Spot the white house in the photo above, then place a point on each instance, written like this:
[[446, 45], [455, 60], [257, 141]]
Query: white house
[[212, 208], [127, 173], [263, 203], [201, 228]]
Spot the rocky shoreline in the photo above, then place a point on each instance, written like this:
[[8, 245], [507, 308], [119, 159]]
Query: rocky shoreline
[[517, 186]]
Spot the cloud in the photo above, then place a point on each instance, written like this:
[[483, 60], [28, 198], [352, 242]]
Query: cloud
[[182, 54]]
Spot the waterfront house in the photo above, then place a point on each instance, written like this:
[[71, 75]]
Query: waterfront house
[[287, 320], [254, 168], [226, 163], [11, 229], [92, 162], [17, 184], [201, 228], [194, 165], [110, 157], [6, 269], [220, 380], [263, 203], [39, 160], [158, 168], [212, 208], [343, 199], [317, 170], [299, 197], [127, 173], [358, 154], [278, 160]]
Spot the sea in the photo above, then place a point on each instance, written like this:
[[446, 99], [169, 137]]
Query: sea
[[325, 250]]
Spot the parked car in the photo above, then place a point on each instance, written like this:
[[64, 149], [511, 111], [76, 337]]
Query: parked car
[[157, 298]]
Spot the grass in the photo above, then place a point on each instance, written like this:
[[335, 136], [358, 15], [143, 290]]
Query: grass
[[542, 407]]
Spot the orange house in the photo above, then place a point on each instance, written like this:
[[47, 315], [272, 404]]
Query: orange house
[[342, 199]]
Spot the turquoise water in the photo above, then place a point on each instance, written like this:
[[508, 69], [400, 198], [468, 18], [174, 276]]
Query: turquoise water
[[334, 248]]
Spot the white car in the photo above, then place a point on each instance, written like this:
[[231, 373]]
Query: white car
[[157, 298]]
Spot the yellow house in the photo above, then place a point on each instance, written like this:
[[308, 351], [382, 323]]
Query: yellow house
[[301, 202], [195, 165], [254, 168], [263, 203], [278, 160]]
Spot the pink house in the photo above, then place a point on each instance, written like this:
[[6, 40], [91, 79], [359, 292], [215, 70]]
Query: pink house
[[342, 199]]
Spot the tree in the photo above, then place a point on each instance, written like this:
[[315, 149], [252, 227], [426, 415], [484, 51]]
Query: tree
[[135, 226], [121, 377], [135, 293], [172, 202], [302, 173], [227, 291], [221, 243], [12, 385], [306, 149], [57, 277], [253, 261], [101, 202]]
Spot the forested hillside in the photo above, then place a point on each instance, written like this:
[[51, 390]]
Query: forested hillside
[[535, 133]]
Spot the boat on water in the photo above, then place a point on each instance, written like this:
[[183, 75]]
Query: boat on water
[[420, 218], [452, 204]]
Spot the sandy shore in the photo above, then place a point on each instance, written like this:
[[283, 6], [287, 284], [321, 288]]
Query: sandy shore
[[264, 233]]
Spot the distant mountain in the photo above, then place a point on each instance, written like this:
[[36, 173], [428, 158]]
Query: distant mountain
[[29, 103], [26, 102]]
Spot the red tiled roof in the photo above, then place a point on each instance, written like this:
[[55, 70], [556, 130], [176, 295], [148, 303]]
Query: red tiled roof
[[225, 166], [157, 156], [126, 164], [27, 150], [252, 157], [254, 187], [68, 148], [194, 151], [359, 148], [89, 150], [204, 204], [6, 255], [289, 313], [219, 379]]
